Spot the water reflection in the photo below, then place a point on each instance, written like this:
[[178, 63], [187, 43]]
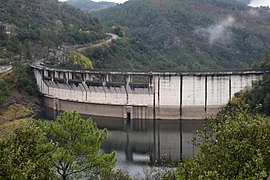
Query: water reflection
[[138, 142], [160, 139]]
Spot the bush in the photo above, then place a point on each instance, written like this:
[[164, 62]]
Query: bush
[[237, 148], [4, 92], [24, 78]]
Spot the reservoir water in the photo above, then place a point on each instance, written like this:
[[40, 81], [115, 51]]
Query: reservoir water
[[139, 143]]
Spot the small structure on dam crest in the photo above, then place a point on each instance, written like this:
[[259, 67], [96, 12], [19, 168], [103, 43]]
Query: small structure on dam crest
[[141, 95]]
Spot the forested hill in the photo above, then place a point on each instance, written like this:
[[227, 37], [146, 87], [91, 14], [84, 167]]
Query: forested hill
[[29, 26], [186, 34], [89, 6]]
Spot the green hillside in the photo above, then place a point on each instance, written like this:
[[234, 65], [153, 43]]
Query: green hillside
[[89, 6], [187, 34], [29, 27]]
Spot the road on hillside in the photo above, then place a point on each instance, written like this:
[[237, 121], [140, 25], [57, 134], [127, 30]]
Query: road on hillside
[[5, 68], [112, 37]]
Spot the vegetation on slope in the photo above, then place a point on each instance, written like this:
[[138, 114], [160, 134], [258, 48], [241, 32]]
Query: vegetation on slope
[[191, 34], [127, 54], [67, 148], [29, 28], [259, 93], [89, 6], [8, 128], [4, 92], [70, 60], [18, 94], [236, 148]]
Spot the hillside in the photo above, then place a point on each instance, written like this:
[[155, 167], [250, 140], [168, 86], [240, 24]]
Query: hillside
[[189, 34], [30, 28], [89, 6]]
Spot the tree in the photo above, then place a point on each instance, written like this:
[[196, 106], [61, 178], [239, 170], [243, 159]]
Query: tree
[[78, 143], [67, 148], [59, 25], [258, 94], [237, 148], [266, 60], [16, 111], [27, 154], [24, 78], [4, 92], [77, 60], [260, 91], [118, 30]]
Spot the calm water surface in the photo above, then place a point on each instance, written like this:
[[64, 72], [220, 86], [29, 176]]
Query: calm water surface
[[139, 142]]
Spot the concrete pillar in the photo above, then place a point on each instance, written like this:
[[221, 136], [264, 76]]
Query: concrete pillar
[[82, 77], [40, 78], [150, 81], [46, 73], [52, 74], [91, 77], [104, 79], [61, 75], [181, 96], [128, 79], [70, 75], [108, 78], [65, 76], [42, 73], [230, 86], [86, 77], [205, 95], [56, 74]]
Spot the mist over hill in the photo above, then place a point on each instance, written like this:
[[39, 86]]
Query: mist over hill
[[156, 34], [185, 35]]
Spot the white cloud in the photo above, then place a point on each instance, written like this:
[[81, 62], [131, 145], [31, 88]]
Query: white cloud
[[219, 32], [258, 3]]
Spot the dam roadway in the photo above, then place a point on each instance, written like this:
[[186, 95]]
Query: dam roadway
[[141, 95]]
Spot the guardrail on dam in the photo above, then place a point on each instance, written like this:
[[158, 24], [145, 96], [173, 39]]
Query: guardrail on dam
[[141, 95]]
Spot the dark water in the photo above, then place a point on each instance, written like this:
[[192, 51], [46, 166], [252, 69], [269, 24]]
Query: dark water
[[139, 143]]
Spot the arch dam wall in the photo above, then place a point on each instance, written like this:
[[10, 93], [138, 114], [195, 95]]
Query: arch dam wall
[[141, 95]]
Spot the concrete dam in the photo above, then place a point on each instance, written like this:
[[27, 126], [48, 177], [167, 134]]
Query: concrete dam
[[141, 95]]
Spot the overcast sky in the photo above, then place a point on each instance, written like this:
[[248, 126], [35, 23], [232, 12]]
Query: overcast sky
[[258, 3], [117, 1]]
